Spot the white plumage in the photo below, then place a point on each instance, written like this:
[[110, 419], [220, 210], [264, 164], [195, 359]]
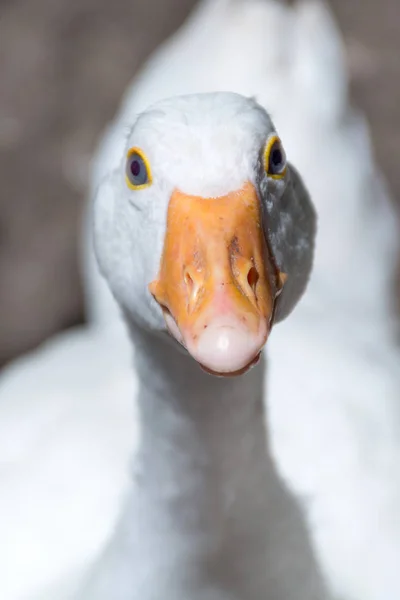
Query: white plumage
[[65, 444]]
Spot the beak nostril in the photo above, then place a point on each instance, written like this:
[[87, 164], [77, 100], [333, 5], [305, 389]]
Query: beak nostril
[[252, 278], [192, 289], [189, 283]]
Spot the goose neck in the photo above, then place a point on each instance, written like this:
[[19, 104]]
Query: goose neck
[[202, 437]]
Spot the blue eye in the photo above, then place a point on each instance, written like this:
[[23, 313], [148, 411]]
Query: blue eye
[[275, 159], [137, 170]]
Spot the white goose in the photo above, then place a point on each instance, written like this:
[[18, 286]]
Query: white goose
[[347, 316], [66, 390], [200, 186]]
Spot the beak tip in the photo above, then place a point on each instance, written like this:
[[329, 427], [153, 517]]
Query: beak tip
[[226, 349]]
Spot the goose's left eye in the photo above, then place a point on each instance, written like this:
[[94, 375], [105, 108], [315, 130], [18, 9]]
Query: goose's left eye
[[138, 174], [275, 158]]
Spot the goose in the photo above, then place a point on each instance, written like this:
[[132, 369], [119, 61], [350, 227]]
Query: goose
[[351, 494], [205, 235], [202, 473], [66, 410]]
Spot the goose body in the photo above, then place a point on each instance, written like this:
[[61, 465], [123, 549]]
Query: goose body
[[33, 411], [56, 506]]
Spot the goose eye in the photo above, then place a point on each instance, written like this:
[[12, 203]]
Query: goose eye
[[275, 159], [138, 174]]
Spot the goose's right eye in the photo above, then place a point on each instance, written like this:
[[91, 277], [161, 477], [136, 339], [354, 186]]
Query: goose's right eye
[[138, 173]]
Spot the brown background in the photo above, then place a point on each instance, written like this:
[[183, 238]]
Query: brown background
[[63, 67]]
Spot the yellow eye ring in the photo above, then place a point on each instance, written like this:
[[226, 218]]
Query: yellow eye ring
[[275, 158], [138, 174]]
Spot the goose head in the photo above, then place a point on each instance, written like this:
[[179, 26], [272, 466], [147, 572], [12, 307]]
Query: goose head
[[204, 231]]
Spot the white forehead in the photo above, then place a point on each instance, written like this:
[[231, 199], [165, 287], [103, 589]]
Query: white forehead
[[203, 144]]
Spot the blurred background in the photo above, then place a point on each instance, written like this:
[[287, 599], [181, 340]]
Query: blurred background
[[63, 66]]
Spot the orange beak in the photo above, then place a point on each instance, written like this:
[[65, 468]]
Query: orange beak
[[217, 281]]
